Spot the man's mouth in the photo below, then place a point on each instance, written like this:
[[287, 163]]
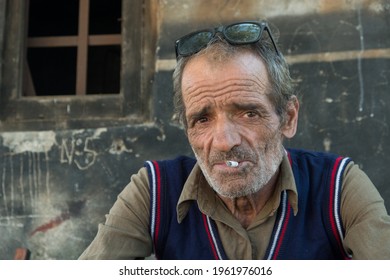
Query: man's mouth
[[232, 163]]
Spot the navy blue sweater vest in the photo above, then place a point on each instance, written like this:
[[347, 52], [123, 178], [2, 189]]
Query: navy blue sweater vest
[[316, 232]]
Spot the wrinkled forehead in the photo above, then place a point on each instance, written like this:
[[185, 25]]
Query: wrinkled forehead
[[238, 80], [209, 70]]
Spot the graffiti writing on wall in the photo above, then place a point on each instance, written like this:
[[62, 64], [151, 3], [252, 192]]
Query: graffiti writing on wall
[[77, 151], [78, 148]]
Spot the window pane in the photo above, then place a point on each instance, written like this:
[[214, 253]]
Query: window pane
[[46, 55], [105, 17], [103, 69], [53, 70], [53, 18]]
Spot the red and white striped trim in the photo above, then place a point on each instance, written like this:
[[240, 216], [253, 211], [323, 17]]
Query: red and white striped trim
[[212, 238], [334, 200], [155, 201], [156, 212], [281, 228]]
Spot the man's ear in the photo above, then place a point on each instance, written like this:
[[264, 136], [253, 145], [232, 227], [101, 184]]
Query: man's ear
[[291, 122]]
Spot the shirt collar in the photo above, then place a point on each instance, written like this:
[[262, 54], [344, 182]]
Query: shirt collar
[[197, 189]]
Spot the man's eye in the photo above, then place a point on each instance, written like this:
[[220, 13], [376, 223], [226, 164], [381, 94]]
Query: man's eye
[[202, 120], [251, 114], [198, 121]]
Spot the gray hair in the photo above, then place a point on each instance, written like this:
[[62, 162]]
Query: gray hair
[[281, 84]]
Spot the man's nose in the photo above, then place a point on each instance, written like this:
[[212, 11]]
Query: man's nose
[[226, 135]]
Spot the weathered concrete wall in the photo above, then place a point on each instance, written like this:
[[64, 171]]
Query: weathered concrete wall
[[2, 22], [56, 185]]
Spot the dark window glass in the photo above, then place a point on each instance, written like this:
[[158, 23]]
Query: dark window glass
[[103, 65], [105, 17], [53, 18], [53, 70], [55, 65]]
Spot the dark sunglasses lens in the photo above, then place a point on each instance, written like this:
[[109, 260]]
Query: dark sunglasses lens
[[194, 42], [243, 33]]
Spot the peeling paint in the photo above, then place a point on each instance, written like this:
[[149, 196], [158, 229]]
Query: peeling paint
[[329, 100], [260, 8], [97, 133], [163, 136], [378, 7], [118, 147], [327, 144], [36, 142]]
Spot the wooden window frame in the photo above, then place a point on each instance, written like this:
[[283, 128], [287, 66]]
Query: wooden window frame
[[82, 41], [130, 106]]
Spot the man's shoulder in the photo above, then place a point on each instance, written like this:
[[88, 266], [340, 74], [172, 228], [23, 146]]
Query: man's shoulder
[[317, 160], [305, 153]]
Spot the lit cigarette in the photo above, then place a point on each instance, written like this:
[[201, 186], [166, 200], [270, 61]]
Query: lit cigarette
[[231, 163]]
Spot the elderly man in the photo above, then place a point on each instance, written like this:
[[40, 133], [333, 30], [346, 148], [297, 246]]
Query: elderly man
[[245, 196]]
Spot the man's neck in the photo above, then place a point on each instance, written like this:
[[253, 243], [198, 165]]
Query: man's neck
[[246, 208]]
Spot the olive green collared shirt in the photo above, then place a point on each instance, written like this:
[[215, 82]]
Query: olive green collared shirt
[[125, 233]]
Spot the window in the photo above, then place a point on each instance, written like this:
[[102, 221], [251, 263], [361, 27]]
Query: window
[[76, 63], [73, 47]]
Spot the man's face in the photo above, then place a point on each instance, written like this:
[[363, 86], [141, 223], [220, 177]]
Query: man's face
[[230, 117]]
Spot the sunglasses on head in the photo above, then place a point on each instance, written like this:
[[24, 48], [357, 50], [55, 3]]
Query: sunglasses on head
[[240, 33]]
